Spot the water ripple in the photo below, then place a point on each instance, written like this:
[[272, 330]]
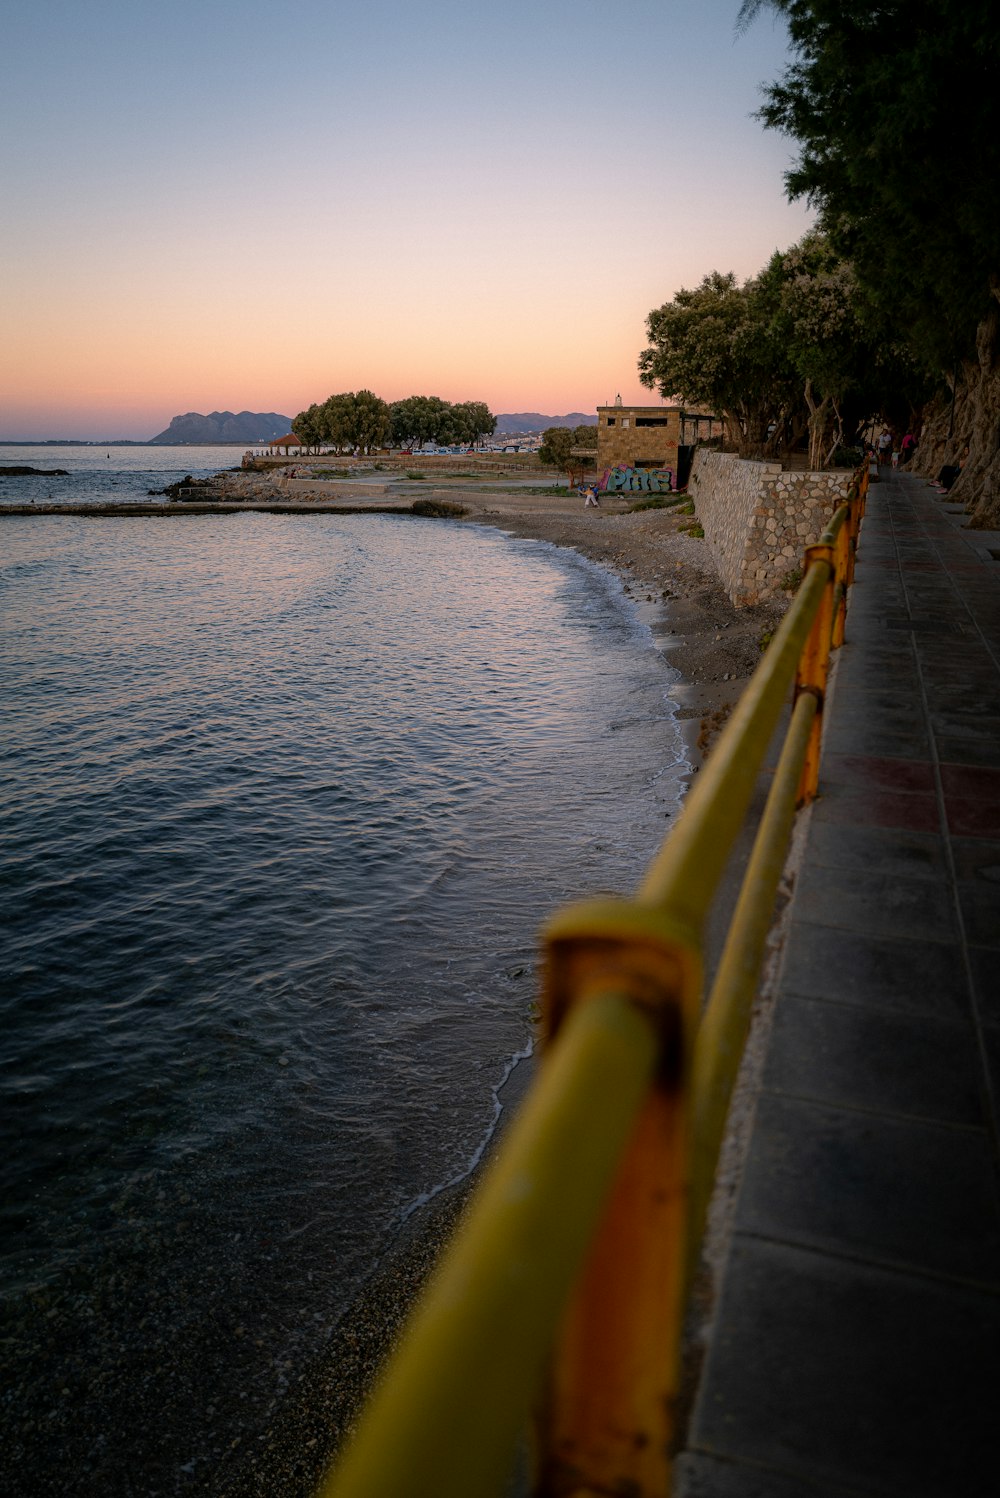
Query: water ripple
[[282, 806]]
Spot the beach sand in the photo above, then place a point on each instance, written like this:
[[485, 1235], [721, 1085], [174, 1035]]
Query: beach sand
[[715, 648]]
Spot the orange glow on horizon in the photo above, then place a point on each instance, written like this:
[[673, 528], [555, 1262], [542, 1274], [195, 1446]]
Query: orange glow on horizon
[[422, 223]]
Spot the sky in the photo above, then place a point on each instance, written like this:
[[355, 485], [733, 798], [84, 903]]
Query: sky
[[232, 205]]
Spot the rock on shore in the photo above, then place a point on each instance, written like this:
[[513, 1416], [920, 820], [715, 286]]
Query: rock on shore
[[20, 471]]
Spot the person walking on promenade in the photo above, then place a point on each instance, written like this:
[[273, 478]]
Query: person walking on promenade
[[906, 447], [885, 446]]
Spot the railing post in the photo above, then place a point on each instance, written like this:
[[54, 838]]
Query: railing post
[[841, 578], [607, 1418], [856, 507], [813, 668]]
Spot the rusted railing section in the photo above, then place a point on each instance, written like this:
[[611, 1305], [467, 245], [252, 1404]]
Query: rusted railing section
[[563, 1290]]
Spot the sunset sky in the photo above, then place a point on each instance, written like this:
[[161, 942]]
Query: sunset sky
[[236, 205]]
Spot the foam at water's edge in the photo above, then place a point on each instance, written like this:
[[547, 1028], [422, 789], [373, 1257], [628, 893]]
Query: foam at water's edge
[[476, 1157]]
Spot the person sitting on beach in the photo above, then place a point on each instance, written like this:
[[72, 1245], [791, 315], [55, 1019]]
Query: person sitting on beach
[[590, 497]]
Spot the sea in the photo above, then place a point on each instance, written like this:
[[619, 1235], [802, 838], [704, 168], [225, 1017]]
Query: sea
[[111, 474], [284, 800]]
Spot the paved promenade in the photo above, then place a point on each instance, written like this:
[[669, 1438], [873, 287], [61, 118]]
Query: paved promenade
[[856, 1347]]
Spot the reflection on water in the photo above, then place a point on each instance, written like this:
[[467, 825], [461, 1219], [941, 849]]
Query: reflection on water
[[283, 801], [93, 474]]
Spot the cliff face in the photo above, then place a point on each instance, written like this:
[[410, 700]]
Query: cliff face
[[224, 426], [975, 429]]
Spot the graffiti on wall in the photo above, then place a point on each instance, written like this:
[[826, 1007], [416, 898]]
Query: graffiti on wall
[[637, 481]]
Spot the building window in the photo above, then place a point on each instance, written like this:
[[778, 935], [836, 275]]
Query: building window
[[624, 421], [611, 421], [652, 421]]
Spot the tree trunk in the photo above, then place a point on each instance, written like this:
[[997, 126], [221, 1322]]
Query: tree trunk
[[836, 438], [819, 412]]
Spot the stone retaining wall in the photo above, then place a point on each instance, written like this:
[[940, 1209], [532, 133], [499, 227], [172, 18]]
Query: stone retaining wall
[[758, 519]]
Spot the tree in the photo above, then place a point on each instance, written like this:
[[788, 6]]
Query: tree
[[417, 419], [715, 347], [428, 418], [799, 347], [473, 420], [555, 445], [354, 419], [556, 450], [308, 426], [817, 319], [370, 416], [335, 416], [897, 115]]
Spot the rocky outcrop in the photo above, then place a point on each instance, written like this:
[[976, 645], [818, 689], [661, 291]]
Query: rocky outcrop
[[19, 471], [251, 427], [964, 432]]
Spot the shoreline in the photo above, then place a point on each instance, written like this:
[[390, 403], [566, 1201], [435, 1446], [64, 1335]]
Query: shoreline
[[712, 644], [714, 647]]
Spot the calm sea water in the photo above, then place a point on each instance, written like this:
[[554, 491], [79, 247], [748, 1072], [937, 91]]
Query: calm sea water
[[121, 474], [283, 800]]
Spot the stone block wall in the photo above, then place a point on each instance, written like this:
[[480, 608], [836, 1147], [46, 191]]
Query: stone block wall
[[638, 436], [758, 519]]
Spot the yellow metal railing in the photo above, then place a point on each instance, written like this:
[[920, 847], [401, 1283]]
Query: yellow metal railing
[[563, 1290]]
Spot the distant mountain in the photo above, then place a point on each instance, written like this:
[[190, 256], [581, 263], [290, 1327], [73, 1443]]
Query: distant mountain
[[224, 426], [533, 421]]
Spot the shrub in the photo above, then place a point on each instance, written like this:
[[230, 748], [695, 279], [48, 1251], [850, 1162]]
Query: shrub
[[659, 502], [437, 509], [847, 457]]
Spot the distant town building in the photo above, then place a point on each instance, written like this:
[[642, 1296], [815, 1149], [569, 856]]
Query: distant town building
[[652, 437]]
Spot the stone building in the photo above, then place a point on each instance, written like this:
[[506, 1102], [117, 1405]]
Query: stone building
[[652, 437]]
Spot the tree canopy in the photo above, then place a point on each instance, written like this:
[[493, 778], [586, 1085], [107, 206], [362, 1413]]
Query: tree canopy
[[361, 419], [713, 346], [800, 346], [896, 110], [353, 419], [428, 418], [556, 450]]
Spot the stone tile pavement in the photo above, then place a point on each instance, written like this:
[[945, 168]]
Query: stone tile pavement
[[856, 1344]]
